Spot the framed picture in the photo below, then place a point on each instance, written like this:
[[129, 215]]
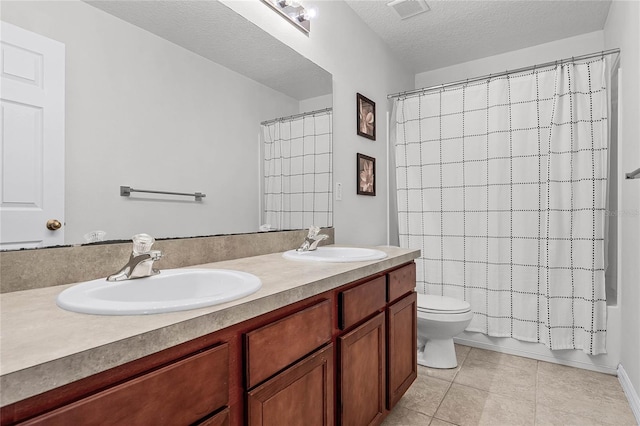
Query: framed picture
[[366, 117], [366, 176]]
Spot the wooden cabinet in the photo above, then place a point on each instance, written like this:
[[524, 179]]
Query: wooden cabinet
[[401, 281], [401, 347], [180, 393], [274, 346], [359, 302], [301, 395], [346, 355], [377, 359], [362, 374]]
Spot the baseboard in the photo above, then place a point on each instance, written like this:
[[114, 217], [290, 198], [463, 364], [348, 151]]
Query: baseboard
[[630, 392], [535, 355]]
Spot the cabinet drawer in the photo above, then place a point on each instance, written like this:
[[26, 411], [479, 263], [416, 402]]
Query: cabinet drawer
[[402, 281], [180, 393], [361, 301], [273, 347]]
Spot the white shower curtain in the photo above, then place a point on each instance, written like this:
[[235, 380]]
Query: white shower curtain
[[502, 186], [298, 172]]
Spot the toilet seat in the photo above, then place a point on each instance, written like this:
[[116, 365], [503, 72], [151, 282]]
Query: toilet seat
[[431, 304]]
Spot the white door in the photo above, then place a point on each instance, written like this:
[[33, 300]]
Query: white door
[[31, 138]]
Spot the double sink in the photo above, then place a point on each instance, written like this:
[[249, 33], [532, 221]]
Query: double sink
[[183, 289]]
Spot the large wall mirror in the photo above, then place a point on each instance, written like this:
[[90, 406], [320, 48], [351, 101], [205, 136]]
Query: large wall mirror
[[169, 96]]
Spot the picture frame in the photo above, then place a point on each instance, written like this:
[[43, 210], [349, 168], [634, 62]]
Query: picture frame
[[366, 175], [366, 117]]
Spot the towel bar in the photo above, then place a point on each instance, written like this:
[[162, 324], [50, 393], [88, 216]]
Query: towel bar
[[125, 191], [634, 174]]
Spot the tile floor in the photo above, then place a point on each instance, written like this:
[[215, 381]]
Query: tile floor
[[491, 388]]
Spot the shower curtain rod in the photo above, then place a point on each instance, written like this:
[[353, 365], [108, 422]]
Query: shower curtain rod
[[531, 67], [291, 117]]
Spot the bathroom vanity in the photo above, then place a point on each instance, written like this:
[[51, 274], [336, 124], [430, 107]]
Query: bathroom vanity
[[318, 344]]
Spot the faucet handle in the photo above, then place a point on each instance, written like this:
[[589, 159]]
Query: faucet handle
[[313, 231], [142, 243]]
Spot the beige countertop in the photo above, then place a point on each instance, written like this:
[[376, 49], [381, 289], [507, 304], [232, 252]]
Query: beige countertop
[[43, 347]]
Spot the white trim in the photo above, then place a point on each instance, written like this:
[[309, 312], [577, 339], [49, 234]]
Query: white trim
[[388, 182], [260, 178], [630, 392], [535, 355]]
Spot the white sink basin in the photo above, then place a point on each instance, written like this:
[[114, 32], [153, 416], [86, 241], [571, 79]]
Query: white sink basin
[[171, 290], [336, 254]]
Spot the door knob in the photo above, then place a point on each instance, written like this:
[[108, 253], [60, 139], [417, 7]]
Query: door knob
[[54, 224]]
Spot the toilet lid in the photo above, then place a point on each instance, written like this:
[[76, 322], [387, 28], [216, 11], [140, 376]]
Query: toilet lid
[[442, 304]]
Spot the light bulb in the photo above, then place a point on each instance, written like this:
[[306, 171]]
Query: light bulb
[[306, 15], [312, 13]]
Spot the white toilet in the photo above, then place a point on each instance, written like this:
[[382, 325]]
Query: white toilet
[[440, 318]]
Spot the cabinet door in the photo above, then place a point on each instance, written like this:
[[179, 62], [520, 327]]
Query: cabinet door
[[300, 395], [402, 365], [361, 377]]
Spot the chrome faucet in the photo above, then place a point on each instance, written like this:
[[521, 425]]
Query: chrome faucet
[[312, 239], [140, 263]]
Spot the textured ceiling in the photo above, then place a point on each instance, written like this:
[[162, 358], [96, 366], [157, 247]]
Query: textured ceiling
[[453, 32], [215, 32]]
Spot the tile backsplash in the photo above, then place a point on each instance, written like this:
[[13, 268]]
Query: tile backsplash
[[30, 269]]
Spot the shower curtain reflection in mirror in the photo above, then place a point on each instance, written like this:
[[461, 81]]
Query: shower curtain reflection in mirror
[[298, 171]]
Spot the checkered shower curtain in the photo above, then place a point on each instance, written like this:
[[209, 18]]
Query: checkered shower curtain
[[298, 172], [502, 186]]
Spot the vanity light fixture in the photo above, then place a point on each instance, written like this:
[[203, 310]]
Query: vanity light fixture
[[293, 12]]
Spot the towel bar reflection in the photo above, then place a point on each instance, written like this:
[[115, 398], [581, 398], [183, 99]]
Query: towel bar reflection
[[125, 191], [634, 174]]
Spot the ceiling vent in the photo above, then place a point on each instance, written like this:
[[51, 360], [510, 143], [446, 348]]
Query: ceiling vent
[[408, 8]]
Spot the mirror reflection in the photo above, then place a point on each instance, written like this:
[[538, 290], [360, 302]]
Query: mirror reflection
[[171, 96], [298, 171]]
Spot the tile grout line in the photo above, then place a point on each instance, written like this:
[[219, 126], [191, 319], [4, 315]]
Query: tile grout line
[[501, 365], [442, 400], [538, 388], [448, 389]]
